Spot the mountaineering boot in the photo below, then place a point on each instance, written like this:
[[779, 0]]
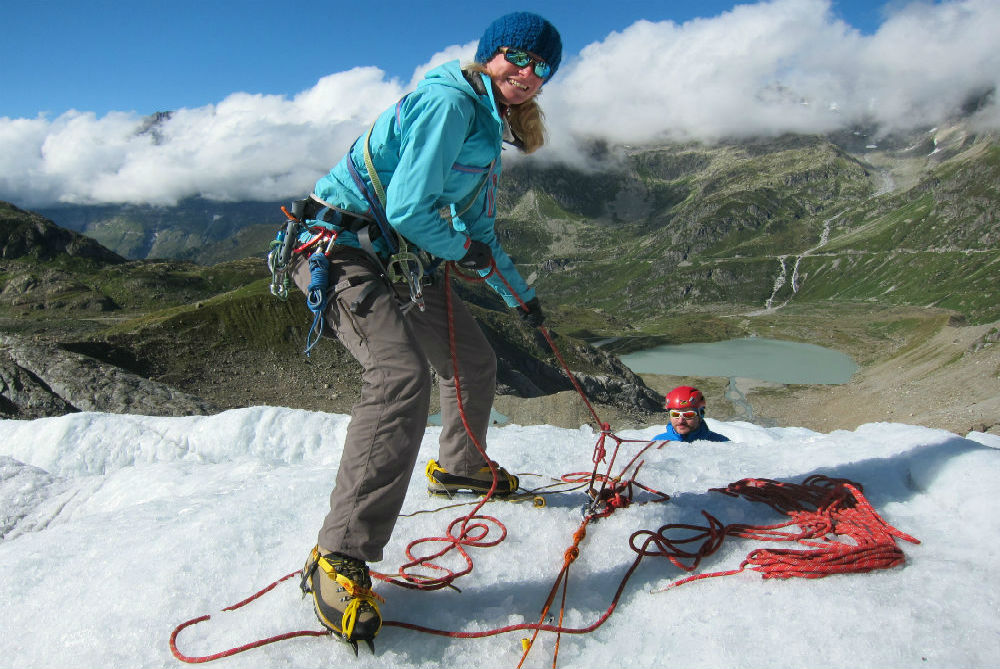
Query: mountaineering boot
[[441, 482], [342, 596]]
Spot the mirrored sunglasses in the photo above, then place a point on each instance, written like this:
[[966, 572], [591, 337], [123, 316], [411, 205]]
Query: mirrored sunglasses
[[674, 413], [522, 58]]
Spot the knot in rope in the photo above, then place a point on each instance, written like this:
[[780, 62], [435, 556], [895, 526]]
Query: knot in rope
[[573, 552], [467, 531]]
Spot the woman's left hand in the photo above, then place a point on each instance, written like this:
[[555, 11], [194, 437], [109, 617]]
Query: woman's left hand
[[478, 256]]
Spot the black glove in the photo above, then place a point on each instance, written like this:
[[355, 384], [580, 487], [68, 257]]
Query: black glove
[[478, 256], [533, 316]]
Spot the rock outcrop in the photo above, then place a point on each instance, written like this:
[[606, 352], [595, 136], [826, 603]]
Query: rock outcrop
[[25, 233], [40, 379]]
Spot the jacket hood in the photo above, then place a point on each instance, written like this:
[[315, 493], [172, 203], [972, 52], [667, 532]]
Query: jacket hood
[[450, 74]]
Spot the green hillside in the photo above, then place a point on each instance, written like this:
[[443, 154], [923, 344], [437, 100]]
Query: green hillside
[[763, 224]]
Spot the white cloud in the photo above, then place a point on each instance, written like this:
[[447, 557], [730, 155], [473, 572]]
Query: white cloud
[[464, 53], [765, 68], [774, 67], [246, 147]]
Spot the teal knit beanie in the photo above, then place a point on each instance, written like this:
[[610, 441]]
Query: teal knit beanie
[[522, 30]]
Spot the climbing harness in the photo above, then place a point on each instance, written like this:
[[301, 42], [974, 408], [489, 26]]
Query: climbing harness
[[310, 232]]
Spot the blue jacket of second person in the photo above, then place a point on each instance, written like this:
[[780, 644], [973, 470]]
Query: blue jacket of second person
[[701, 434]]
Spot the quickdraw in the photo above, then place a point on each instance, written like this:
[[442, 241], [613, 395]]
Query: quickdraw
[[280, 255]]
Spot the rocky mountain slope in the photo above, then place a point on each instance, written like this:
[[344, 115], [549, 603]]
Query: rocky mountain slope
[[90, 331], [763, 224]]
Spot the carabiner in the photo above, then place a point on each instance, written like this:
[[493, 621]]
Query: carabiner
[[406, 261]]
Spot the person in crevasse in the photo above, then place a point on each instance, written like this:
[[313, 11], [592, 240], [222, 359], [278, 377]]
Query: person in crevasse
[[435, 159], [686, 407]]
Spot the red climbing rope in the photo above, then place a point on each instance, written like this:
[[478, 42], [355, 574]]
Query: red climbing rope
[[822, 508], [472, 529], [469, 530], [239, 649], [544, 330]]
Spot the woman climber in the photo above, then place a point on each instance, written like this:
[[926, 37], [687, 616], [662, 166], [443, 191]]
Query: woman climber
[[420, 185]]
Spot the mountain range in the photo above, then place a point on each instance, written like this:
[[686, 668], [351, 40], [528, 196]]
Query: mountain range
[[649, 231], [832, 239]]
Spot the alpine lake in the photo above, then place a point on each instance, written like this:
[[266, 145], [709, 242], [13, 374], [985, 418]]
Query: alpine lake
[[758, 358]]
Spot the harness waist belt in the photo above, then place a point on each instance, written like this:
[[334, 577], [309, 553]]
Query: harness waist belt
[[314, 209]]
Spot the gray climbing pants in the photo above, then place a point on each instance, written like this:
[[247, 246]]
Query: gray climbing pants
[[388, 422]]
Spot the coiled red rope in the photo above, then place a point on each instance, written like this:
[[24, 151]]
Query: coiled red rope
[[823, 509]]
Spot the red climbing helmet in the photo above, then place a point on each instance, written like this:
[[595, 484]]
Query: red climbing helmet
[[685, 397]]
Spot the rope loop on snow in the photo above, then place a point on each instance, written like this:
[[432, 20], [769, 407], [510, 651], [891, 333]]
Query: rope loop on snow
[[822, 508], [198, 659]]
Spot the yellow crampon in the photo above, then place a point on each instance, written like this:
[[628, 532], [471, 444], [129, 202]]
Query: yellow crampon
[[360, 595], [352, 600], [442, 482]]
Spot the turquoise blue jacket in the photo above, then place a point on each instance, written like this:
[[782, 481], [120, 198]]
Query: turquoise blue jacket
[[437, 154]]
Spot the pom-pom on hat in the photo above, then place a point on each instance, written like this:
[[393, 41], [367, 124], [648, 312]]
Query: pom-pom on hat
[[522, 30]]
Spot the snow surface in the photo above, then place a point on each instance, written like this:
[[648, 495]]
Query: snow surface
[[118, 528]]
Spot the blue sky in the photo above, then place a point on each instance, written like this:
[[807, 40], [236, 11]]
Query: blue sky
[[104, 55]]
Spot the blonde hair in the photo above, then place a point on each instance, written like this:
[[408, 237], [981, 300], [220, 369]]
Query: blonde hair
[[528, 124], [526, 120]]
